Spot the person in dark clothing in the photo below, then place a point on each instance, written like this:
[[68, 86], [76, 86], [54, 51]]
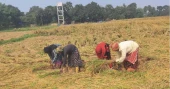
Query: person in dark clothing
[[56, 58], [71, 57]]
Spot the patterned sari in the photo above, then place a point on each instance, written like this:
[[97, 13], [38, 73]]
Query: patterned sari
[[74, 60]]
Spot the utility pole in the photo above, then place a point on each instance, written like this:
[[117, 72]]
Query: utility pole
[[60, 13]]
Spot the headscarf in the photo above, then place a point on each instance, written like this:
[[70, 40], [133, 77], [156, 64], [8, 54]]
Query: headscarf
[[115, 46], [50, 48], [98, 50], [101, 50]]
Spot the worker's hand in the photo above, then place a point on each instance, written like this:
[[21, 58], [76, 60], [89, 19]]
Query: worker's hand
[[118, 61]]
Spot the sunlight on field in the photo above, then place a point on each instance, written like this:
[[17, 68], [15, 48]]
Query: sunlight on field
[[24, 65]]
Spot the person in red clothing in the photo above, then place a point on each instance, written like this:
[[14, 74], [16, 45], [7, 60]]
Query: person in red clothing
[[103, 51]]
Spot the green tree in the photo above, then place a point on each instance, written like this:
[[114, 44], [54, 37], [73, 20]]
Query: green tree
[[139, 13], [149, 11], [40, 17], [93, 12], [31, 15], [131, 10], [165, 10], [78, 13], [51, 14], [10, 16], [159, 10], [120, 12], [68, 12], [108, 12]]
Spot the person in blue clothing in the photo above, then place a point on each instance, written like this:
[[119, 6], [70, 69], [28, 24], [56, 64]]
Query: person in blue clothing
[[56, 58], [63, 56]]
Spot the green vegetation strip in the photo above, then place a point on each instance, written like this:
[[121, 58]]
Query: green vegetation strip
[[17, 39]]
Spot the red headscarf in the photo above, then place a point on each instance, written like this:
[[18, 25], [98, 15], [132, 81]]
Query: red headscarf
[[101, 50]]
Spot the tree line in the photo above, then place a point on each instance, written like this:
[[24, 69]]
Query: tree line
[[11, 16]]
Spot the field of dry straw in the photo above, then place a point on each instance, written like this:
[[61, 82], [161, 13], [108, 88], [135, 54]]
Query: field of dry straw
[[23, 65]]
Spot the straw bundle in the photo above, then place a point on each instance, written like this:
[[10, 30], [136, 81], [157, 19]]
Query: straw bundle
[[97, 66]]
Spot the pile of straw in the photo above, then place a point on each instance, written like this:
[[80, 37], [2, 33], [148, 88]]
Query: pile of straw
[[97, 66]]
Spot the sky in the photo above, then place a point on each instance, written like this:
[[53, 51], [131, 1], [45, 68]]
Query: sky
[[24, 5]]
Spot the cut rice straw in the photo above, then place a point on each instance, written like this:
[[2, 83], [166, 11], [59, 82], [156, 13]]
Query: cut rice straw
[[97, 65]]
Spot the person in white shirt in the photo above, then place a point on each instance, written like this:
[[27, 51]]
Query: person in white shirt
[[127, 54]]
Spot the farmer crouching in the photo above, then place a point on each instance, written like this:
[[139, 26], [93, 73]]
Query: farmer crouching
[[127, 54], [56, 58], [103, 52], [70, 58]]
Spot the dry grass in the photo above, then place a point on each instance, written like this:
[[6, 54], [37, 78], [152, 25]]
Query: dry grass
[[23, 65], [9, 35]]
